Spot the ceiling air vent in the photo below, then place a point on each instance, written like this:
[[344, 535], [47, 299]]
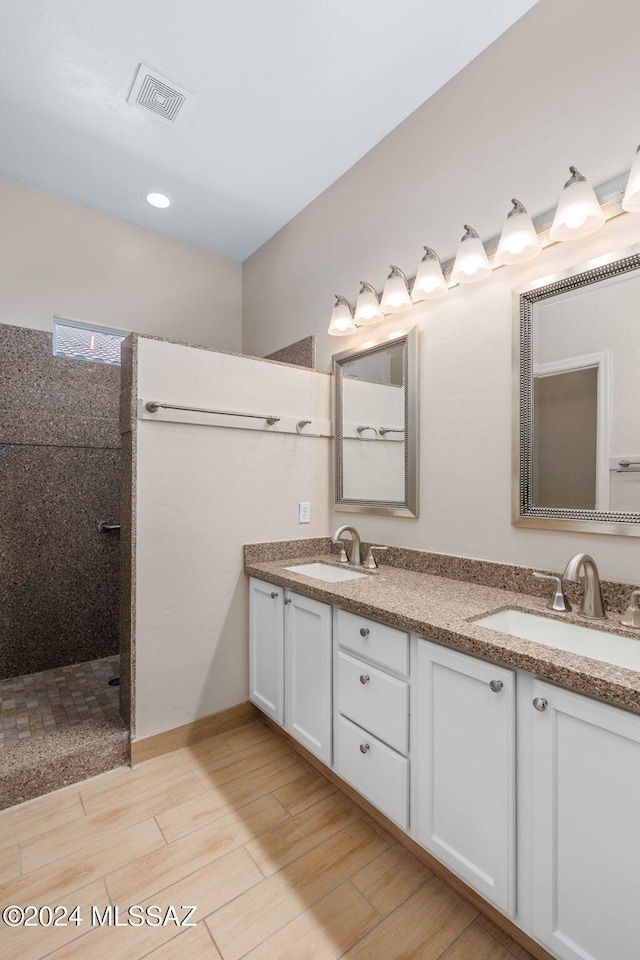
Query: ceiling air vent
[[153, 91]]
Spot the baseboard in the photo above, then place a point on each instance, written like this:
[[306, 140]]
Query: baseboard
[[190, 733], [489, 911]]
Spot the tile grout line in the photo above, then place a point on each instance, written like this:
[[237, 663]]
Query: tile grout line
[[308, 909], [188, 875], [86, 933], [303, 809], [213, 939], [460, 935], [384, 919], [365, 897], [115, 833], [167, 842], [254, 861], [314, 847], [103, 813], [231, 780], [235, 807], [210, 916], [319, 844]]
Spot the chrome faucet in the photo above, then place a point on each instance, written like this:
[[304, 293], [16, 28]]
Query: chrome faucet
[[355, 536], [558, 601], [592, 605]]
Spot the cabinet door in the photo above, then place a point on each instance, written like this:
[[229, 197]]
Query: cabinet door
[[586, 827], [266, 648], [466, 769], [308, 673]]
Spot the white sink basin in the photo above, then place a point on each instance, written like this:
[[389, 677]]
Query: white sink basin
[[324, 571], [589, 642]]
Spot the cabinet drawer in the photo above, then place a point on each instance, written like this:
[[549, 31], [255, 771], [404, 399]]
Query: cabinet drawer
[[376, 771], [385, 645], [374, 700]]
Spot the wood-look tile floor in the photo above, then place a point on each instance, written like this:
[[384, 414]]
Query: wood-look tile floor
[[279, 864]]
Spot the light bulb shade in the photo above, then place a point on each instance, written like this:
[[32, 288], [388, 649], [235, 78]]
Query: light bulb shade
[[519, 241], [367, 306], [631, 199], [341, 322], [471, 261], [579, 213], [395, 296], [430, 282]]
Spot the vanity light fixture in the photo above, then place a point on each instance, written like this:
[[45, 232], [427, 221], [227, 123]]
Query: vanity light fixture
[[341, 322], [471, 261], [395, 296], [631, 199], [430, 282], [519, 241], [579, 214], [368, 308]]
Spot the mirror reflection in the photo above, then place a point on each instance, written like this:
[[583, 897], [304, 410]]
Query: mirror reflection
[[580, 398], [375, 428]]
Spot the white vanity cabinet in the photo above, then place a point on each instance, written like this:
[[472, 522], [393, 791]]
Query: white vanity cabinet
[[473, 760], [307, 673], [371, 727], [266, 648], [585, 826], [466, 769], [290, 663]]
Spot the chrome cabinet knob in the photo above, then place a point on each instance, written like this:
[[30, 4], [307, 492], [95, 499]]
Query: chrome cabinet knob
[[287, 600], [273, 594], [364, 678], [496, 686], [540, 704], [364, 747], [364, 631]]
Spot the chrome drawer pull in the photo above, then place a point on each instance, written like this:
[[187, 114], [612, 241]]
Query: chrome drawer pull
[[364, 678], [496, 685], [364, 631], [287, 600], [273, 594], [540, 704], [364, 747]]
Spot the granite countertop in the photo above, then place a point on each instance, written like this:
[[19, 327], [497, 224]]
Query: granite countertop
[[444, 610]]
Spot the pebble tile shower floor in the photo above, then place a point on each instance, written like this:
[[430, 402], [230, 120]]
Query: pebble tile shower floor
[[58, 699]]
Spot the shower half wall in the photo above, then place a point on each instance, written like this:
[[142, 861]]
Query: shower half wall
[[59, 476]]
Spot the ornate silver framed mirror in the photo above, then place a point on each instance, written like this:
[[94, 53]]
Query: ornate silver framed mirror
[[576, 457], [375, 415]]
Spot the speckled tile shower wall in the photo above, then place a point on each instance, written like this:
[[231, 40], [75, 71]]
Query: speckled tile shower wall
[[302, 353], [59, 476]]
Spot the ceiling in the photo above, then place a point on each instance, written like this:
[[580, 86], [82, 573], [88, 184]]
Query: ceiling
[[287, 95]]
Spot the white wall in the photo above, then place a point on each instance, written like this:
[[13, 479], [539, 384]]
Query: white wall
[[372, 463], [202, 493], [559, 87], [60, 258]]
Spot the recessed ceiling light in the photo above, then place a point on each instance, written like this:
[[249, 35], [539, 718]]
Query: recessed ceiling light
[[160, 200]]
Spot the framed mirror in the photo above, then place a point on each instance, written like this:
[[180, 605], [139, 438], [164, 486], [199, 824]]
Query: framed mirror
[[375, 416], [576, 462]]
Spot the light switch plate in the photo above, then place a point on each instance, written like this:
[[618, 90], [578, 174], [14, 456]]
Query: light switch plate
[[304, 513]]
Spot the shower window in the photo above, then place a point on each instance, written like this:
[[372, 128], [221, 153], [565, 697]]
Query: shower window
[[83, 341]]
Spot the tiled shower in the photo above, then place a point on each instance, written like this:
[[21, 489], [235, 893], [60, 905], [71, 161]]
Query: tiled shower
[[59, 576]]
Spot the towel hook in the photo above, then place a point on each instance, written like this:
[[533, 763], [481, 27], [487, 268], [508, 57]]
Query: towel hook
[[303, 423]]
